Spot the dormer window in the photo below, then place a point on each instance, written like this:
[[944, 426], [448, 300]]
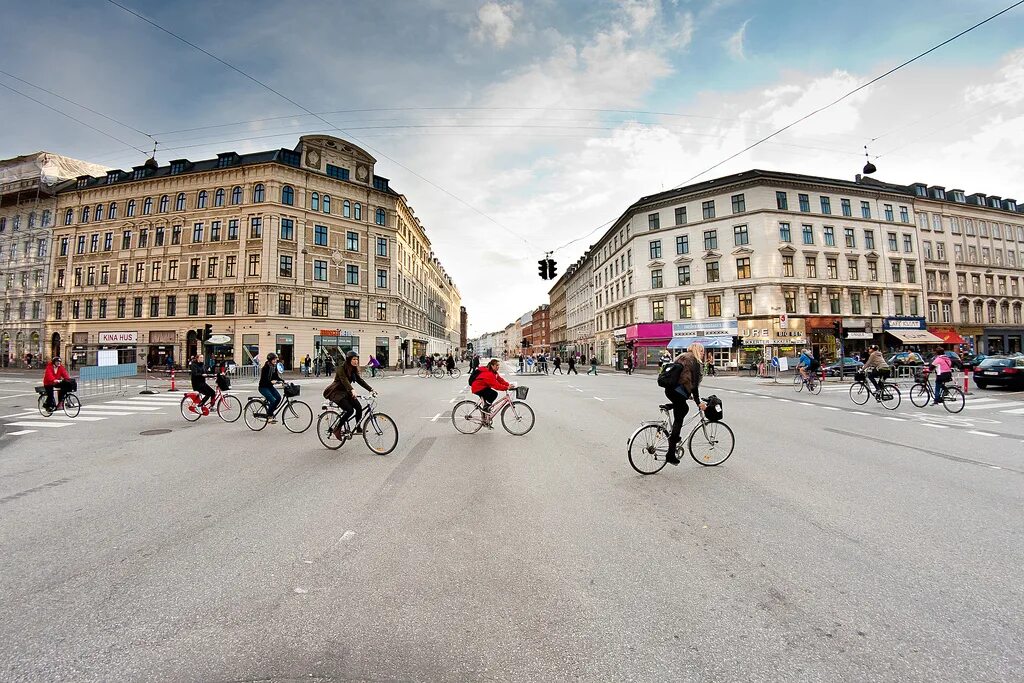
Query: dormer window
[[920, 191], [380, 183], [112, 177], [178, 167], [290, 158], [337, 172], [82, 182], [226, 159], [139, 173], [958, 196]]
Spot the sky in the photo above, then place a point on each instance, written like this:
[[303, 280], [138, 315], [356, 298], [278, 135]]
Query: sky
[[514, 127]]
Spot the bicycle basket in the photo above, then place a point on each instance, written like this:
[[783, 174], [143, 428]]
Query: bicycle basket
[[223, 382], [71, 384], [860, 376], [41, 391], [291, 390], [521, 393]]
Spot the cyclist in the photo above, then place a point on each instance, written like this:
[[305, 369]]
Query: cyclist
[[685, 387], [449, 364], [487, 385], [55, 377], [943, 365], [347, 375], [197, 371], [807, 364], [875, 365], [269, 375]]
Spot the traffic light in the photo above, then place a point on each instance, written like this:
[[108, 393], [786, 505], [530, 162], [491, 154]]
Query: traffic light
[[837, 329], [207, 331], [526, 343], [542, 269], [199, 334], [737, 342], [552, 271]]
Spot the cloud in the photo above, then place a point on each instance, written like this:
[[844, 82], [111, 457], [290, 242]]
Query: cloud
[[640, 13], [734, 44], [497, 23]]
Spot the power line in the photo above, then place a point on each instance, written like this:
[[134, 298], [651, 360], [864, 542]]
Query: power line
[[76, 120], [332, 126], [850, 93]]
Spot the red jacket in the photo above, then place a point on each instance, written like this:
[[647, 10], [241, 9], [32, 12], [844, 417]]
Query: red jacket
[[50, 377], [488, 380]]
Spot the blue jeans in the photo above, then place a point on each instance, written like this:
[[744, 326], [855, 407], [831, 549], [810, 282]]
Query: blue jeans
[[940, 380], [273, 397]]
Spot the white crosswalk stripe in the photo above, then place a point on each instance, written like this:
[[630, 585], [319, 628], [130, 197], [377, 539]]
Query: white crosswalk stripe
[[92, 412]]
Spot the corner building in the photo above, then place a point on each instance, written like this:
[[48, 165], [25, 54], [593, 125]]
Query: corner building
[[303, 251]]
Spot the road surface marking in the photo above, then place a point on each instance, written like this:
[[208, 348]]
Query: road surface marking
[[786, 400], [980, 433], [970, 405], [894, 419], [982, 400], [804, 403], [830, 408], [436, 417], [21, 431], [934, 426], [127, 405], [1018, 411], [48, 425], [858, 412]]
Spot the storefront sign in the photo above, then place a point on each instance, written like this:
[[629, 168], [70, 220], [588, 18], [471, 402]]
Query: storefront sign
[[162, 336], [705, 328], [119, 337], [969, 331], [216, 339], [330, 333], [857, 323], [858, 335], [767, 332], [904, 323]]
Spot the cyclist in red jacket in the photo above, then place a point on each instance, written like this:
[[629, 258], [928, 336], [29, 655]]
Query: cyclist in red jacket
[[487, 381], [53, 378]]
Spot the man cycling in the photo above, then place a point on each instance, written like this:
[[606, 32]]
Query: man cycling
[[55, 377], [197, 371], [487, 385], [807, 364], [269, 375], [875, 366]]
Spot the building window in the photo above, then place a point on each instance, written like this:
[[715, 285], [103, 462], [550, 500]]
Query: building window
[[111, 212], [869, 239], [352, 241], [912, 275], [897, 273], [893, 244], [683, 274], [826, 206], [808, 232], [908, 244], [126, 239], [812, 302], [380, 217], [851, 241], [830, 237], [254, 265], [714, 305], [230, 263], [121, 303], [94, 243], [288, 195], [833, 268], [337, 172], [284, 304], [746, 303], [740, 235], [90, 277], [685, 307], [320, 270], [193, 269], [175, 235], [382, 278], [790, 299], [713, 271], [811, 266], [782, 201], [259, 193], [382, 310], [865, 210], [888, 212], [287, 229], [69, 216], [201, 199], [346, 209], [743, 268], [140, 272], [154, 307], [351, 274], [787, 266], [215, 231], [137, 307], [656, 279], [784, 232], [229, 303], [255, 227], [197, 233], [158, 238], [710, 240], [352, 307], [252, 303], [172, 269], [904, 215], [873, 271], [898, 304], [211, 267], [320, 235], [805, 202], [382, 246], [708, 208], [851, 265], [658, 311], [99, 213], [320, 306], [218, 197], [834, 302], [683, 244], [739, 203], [233, 229], [326, 203], [680, 215], [855, 303], [357, 212], [285, 267], [236, 196], [847, 211], [655, 249]]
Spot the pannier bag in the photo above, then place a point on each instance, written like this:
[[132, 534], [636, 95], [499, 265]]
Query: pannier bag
[[291, 390], [713, 410]]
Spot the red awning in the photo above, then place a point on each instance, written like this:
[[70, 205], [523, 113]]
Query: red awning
[[947, 335]]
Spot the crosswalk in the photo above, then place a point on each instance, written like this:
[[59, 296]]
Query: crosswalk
[[999, 404], [96, 409]]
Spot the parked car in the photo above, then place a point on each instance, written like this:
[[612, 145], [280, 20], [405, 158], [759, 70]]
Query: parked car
[[971, 362], [905, 358], [954, 357], [850, 366], [1000, 371]]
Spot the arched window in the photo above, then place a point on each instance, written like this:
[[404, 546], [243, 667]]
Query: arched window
[[314, 202], [147, 206], [259, 193], [98, 216], [112, 211], [164, 203], [129, 210], [346, 209], [201, 200], [69, 216], [218, 197], [287, 195], [85, 215], [358, 213], [327, 203], [236, 195], [1016, 314], [380, 218], [179, 203]]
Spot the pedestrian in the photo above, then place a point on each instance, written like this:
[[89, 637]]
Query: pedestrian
[[629, 364], [593, 366], [558, 364], [572, 365], [449, 364], [522, 363]]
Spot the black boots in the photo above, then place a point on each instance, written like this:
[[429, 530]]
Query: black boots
[[673, 447]]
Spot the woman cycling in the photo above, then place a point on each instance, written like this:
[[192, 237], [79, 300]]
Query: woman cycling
[[687, 387], [347, 375], [487, 385], [269, 375]]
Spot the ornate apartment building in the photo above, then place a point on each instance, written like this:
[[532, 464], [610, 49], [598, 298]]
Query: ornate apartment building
[[27, 209], [556, 297], [297, 251], [579, 306]]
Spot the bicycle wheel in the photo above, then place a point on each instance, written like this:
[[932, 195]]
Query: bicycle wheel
[[43, 410], [72, 406], [190, 408], [711, 443], [890, 397], [814, 385], [380, 433], [229, 408], [648, 449], [422, 372], [297, 417], [455, 374], [859, 393], [920, 395], [467, 417], [953, 400], [517, 418], [255, 414], [438, 373], [325, 426], [798, 382]]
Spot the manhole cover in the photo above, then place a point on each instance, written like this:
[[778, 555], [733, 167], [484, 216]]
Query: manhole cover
[[154, 432]]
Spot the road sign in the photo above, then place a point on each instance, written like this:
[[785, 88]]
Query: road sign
[[783, 319]]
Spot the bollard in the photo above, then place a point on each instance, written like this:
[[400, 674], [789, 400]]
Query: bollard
[[172, 381], [147, 391], [967, 384]]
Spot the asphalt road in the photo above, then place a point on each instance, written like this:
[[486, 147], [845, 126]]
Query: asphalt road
[[837, 543]]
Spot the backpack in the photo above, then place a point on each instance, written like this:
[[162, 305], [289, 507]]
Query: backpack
[[473, 375], [668, 378]]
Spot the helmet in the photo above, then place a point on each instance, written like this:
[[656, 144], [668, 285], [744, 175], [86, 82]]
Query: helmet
[[350, 355], [271, 356]]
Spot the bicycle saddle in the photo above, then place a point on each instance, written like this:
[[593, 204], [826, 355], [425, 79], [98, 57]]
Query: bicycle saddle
[[666, 406]]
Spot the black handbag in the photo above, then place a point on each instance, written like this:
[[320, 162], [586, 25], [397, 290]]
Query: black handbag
[[713, 410]]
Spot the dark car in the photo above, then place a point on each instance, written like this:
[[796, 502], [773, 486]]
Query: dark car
[[1000, 371], [850, 366], [905, 358], [971, 362], [954, 358]]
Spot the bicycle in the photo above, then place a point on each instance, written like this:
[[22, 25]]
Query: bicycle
[[921, 394], [71, 405], [296, 415], [380, 432], [380, 374], [424, 371], [887, 393], [710, 443], [812, 383], [517, 416], [442, 372], [228, 407]]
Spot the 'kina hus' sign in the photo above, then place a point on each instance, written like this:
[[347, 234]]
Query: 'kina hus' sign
[[119, 337]]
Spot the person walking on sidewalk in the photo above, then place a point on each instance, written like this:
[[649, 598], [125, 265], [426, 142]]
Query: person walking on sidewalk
[[558, 365], [593, 366], [572, 366], [629, 364]]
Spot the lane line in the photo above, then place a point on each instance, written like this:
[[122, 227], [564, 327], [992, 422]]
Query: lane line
[[21, 431], [894, 419], [980, 433], [992, 406], [602, 401], [933, 426], [436, 417], [1018, 411], [858, 412], [830, 408], [47, 425]]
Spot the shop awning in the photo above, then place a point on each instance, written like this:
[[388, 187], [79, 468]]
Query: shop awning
[[948, 335], [915, 336], [708, 342]]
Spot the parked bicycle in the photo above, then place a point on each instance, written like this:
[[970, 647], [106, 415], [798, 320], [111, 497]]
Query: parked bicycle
[[922, 393], [709, 443], [296, 415], [517, 417], [71, 405], [227, 406], [812, 382], [380, 432], [887, 393]]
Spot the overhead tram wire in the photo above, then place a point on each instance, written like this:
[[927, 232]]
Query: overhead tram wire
[[76, 120], [852, 92], [328, 123]]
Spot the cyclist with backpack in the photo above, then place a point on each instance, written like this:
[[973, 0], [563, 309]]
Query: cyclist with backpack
[[807, 364], [681, 382], [485, 382]]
